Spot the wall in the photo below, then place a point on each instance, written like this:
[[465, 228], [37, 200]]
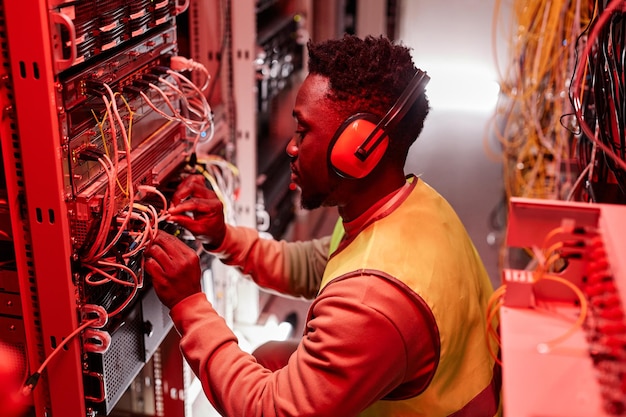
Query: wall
[[451, 41]]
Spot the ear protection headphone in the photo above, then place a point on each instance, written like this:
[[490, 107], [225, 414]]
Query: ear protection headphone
[[361, 140]]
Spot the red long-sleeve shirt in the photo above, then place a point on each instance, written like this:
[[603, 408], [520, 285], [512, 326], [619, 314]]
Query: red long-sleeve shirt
[[365, 336]]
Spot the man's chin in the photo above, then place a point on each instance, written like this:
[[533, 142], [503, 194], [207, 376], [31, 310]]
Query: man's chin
[[308, 205], [315, 202], [312, 202]]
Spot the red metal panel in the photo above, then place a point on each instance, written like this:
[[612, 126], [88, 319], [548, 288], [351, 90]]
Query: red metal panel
[[171, 364], [53, 311], [554, 365]]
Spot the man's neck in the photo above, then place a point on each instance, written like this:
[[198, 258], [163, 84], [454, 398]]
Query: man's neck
[[366, 197]]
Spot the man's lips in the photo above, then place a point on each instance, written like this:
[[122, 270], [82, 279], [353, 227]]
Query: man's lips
[[294, 174], [293, 183]]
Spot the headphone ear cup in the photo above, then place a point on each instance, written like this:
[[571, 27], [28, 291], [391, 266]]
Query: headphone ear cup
[[348, 139]]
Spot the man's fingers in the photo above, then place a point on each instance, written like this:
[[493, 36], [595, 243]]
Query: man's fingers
[[182, 220], [156, 250], [192, 205], [197, 206], [192, 186], [152, 267]]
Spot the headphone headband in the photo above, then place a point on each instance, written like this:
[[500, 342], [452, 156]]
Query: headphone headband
[[395, 114]]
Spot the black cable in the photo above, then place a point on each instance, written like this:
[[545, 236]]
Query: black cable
[[607, 104], [584, 146]]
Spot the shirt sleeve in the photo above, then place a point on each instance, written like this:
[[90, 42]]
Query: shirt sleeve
[[357, 348], [292, 268]]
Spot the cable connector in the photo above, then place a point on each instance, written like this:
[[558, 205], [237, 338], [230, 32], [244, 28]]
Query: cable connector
[[132, 90], [144, 190], [151, 78], [94, 87], [180, 63], [30, 383], [160, 69], [141, 83], [141, 207], [192, 161], [90, 153]]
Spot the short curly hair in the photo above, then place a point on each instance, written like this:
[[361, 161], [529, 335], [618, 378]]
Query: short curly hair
[[368, 75]]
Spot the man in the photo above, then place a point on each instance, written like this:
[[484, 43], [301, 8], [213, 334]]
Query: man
[[397, 327]]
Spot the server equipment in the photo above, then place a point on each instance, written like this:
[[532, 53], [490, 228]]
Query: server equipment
[[99, 116]]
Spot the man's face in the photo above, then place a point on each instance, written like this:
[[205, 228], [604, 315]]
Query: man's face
[[308, 148]]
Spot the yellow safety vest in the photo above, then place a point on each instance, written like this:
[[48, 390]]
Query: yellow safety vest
[[423, 244]]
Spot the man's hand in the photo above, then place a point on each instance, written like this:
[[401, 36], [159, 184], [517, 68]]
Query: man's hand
[[197, 209], [174, 268]]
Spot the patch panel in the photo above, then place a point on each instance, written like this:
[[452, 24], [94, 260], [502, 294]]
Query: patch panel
[[562, 321]]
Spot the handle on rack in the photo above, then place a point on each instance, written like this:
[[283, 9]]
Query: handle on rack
[[64, 20]]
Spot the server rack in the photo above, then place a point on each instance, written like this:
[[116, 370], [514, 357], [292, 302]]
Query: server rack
[[75, 76]]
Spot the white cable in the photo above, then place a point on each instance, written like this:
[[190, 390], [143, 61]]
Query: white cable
[[108, 209], [180, 63], [126, 220]]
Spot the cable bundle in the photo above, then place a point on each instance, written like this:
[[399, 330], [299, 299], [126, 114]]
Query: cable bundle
[[534, 102], [113, 256], [562, 114], [599, 99], [129, 215], [195, 113]]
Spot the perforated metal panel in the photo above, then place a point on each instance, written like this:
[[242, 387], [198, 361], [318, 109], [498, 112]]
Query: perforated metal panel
[[124, 358], [109, 374]]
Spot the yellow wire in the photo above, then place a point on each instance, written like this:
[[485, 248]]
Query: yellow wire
[[101, 123], [214, 184], [493, 307], [230, 165], [547, 346], [533, 94], [131, 114], [100, 127]]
